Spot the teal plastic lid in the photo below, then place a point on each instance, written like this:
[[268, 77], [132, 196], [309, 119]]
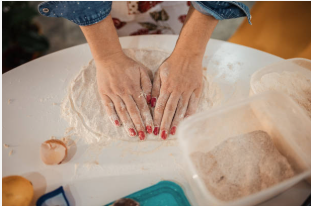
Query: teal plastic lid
[[165, 193]]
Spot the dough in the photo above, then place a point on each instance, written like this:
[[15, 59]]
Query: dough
[[241, 166], [83, 107]]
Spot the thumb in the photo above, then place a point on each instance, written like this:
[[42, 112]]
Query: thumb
[[145, 83]]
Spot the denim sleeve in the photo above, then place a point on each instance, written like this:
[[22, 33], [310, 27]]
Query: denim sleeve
[[223, 9], [82, 13]]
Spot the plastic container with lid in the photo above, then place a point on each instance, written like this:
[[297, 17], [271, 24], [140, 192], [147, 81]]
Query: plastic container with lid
[[165, 193], [275, 113], [300, 65]]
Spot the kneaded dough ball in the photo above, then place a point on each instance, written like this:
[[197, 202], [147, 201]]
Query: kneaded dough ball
[[53, 152], [16, 191]]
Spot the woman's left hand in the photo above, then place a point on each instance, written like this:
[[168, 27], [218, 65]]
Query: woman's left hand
[[176, 91]]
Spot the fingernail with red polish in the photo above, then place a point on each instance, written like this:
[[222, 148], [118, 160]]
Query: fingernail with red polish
[[164, 135], [141, 135], [132, 132], [153, 102], [149, 129], [117, 122], [173, 130], [156, 131], [148, 98]]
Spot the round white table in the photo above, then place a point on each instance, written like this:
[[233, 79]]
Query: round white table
[[98, 174]]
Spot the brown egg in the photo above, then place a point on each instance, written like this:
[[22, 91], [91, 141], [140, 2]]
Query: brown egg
[[53, 152]]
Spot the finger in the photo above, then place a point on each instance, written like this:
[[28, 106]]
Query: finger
[[155, 88], [159, 110], [124, 116], [110, 109], [180, 112], [168, 114], [135, 115], [193, 103], [146, 84], [144, 110]]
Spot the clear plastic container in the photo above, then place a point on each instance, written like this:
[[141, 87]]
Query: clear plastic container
[[275, 113], [292, 65]]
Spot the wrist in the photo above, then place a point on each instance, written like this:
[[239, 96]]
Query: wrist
[[195, 34], [187, 54], [108, 57], [109, 60]]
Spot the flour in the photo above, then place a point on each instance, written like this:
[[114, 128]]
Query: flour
[[83, 107], [295, 84], [241, 166]]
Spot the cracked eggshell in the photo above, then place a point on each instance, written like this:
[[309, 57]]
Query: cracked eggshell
[[53, 152]]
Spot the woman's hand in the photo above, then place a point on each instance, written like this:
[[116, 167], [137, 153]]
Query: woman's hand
[[123, 84], [125, 88], [178, 83], [177, 88]]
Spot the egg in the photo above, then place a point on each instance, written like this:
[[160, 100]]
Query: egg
[[53, 152]]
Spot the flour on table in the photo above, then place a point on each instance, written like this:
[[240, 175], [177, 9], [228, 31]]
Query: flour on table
[[295, 84], [241, 166], [84, 110]]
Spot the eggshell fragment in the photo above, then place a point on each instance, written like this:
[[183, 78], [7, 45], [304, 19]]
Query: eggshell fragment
[[53, 152]]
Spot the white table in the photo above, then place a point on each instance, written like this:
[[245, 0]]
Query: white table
[[32, 117]]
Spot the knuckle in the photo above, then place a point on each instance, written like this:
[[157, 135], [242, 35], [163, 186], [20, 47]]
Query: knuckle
[[132, 110], [103, 91], [164, 127], [119, 91], [109, 93], [159, 108], [138, 126], [145, 108], [132, 89], [120, 109], [166, 85], [108, 105], [171, 108], [175, 122], [179, 90], [164, 91]]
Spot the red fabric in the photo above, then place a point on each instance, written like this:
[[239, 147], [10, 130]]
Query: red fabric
[[144, 6], [140, 32], [117, 23], [182, 18]]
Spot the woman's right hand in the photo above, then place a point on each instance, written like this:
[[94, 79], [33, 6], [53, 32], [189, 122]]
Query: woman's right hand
[[125, 87]]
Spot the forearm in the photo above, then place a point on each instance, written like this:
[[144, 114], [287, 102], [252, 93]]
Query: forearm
[[102, 38], [195, 34]]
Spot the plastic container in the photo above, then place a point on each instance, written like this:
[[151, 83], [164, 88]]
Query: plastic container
[[275, 113], [293, 65], [165, 193]]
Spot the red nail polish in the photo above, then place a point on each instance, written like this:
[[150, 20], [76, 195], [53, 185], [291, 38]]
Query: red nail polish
[[117, 122], [149, 129], [141, 135], [132, 132], [164, 135], [156, 131], [148, 98], [173, 130], [153, 101]]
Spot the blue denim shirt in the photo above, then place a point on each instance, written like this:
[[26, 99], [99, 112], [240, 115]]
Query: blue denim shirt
[[86, 13]]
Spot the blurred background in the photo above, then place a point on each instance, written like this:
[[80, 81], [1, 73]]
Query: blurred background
[[280, 28]]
